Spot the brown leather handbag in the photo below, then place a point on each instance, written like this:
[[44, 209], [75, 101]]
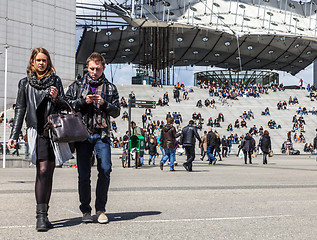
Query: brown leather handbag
[[67, 127]]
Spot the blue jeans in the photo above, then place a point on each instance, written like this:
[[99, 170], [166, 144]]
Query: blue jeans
[[152, 158], [84, 150], [169, 154], [210, 150], [163, 152]]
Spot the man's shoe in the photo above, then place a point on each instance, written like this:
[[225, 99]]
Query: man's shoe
[[87, 218], [172, 170], [186, 167], [161, 166], [102, 218]]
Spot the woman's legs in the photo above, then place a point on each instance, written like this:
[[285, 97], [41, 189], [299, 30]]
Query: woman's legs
[[44, 181], [43, 190]]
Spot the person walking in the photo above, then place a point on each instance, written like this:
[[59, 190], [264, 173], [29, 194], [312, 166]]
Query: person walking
[[152, 151], [217, 147], [315, 143], [97, 100], [203, 146], [225, 144], [40, 94], [265, 145], [168, 137], [211, 144], [248, 146], [188, 135], [176, 94]]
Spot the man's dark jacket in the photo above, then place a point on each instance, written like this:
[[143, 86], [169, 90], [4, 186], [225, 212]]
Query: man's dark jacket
[[168, 136], [152, 148], [248, 144], [188, 136], [211, 139], [111, 105]]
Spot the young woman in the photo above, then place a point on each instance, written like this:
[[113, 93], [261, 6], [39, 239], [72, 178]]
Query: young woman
[[265, 145], [40, 94]]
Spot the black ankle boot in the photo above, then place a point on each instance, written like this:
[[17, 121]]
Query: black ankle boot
[[41, 211]]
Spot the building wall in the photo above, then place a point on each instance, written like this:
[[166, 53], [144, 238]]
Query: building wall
[[26, 24]]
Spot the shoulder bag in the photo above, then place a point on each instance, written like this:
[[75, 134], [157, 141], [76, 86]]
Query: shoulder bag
[[67, 127]]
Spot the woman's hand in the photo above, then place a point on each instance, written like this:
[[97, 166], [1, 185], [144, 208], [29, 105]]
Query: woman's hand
[[53, 92], [12, 143]]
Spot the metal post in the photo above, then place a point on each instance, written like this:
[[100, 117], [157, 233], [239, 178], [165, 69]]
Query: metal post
[[310, 13], [129, 127], [5, 104], [133, 8]]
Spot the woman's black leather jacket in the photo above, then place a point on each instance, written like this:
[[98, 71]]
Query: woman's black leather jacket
[[28, 100]]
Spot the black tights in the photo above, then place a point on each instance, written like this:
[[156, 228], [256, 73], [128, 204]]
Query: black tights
[[44, 180]]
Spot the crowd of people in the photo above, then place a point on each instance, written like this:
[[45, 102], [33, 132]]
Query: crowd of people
[[153, 128], [232, 91]]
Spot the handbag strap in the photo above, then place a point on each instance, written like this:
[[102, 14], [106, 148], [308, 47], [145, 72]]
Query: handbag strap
[[71, 109]]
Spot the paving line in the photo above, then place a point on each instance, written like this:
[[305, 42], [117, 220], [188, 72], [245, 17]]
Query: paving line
[[181, 220], [13, 227], [211, 219]]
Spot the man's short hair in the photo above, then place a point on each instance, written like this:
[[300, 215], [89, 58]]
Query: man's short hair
[[191, 122], [170, 120], [96, 57]]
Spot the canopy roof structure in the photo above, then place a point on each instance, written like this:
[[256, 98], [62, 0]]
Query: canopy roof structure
[[237, 35]]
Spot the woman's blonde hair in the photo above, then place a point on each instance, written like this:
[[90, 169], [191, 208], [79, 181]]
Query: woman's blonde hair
[[49, 69]]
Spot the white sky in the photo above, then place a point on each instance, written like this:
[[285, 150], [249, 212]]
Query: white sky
[[123, 73]]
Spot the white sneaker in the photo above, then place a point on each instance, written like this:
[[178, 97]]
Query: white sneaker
[[102, 218]]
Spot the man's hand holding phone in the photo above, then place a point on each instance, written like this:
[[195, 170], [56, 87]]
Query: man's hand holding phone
[[94, 98], [89, 98]]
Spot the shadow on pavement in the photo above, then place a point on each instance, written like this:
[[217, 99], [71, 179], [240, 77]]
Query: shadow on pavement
[[113, 217], [69, 222], [124, 216]]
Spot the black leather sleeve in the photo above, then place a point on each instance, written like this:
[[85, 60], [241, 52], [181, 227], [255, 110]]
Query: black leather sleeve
[[111, 105], [20, 110], [197, 135], [59, 102], [76, 102]]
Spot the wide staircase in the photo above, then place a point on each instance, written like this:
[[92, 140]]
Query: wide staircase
[[231, 110]]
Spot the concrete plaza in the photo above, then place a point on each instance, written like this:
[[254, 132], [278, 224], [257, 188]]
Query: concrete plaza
[[230, 200]]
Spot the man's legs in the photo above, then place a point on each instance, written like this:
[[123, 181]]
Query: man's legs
[[190, 157], [250, 158], [84, 152], [172, 158], [245, 153], [211, 157], [103, 154]]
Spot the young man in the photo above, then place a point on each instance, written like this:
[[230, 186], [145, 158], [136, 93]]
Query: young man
[[96, 99], [188, 141]]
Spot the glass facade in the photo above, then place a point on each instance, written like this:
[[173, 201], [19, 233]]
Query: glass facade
[[241, 77]]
